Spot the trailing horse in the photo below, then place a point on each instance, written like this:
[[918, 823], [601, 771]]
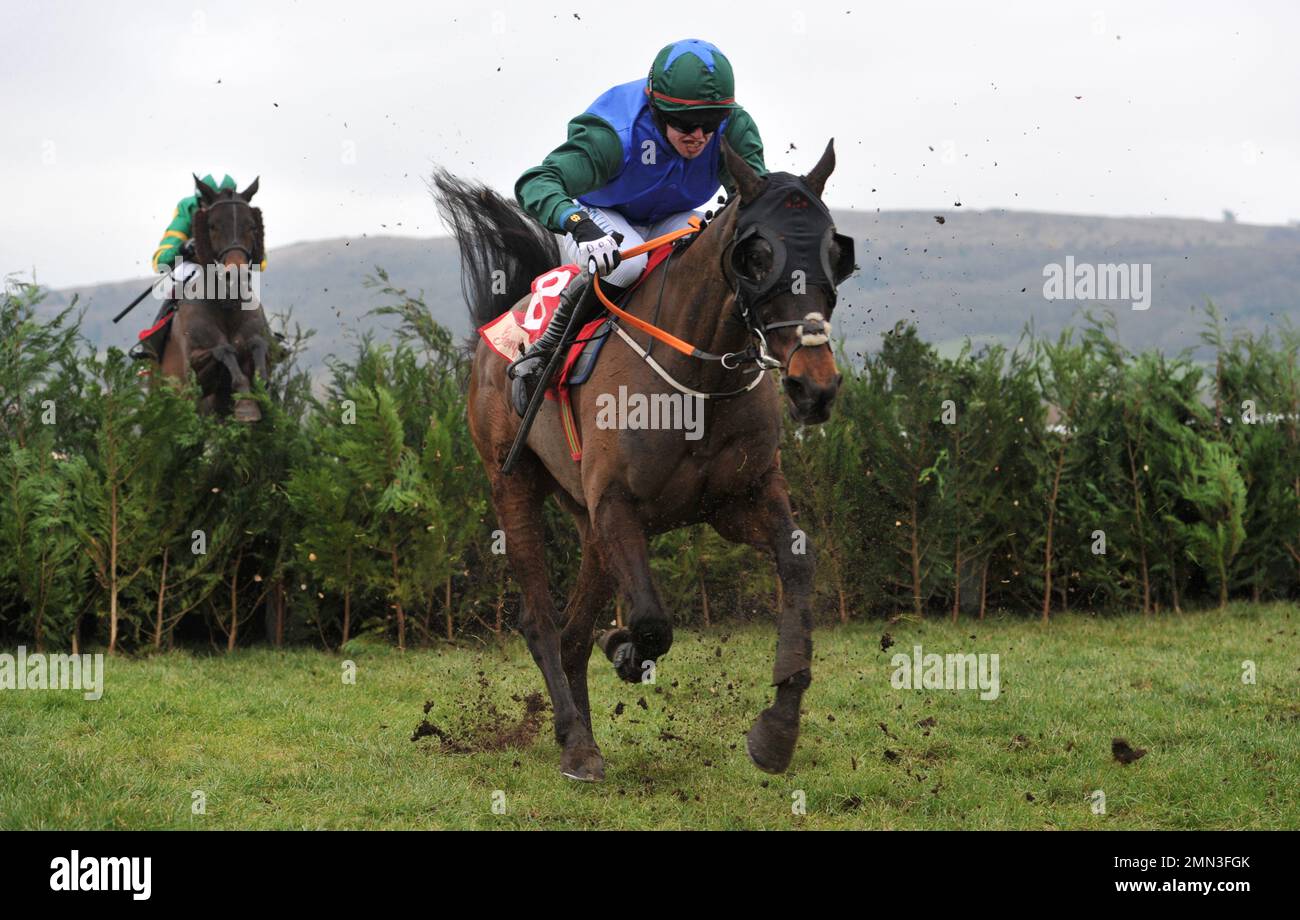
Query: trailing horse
[[221, 336], [753, 291]]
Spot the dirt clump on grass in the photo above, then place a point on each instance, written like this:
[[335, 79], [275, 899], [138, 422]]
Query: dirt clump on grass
[[482, 727], [1124, 752]]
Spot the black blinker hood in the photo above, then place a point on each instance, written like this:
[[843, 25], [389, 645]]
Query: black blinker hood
[[799, 228]]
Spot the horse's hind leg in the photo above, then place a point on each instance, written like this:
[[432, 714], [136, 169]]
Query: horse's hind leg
[[518, 500], [623, 544], [763, 519], [594, 588]]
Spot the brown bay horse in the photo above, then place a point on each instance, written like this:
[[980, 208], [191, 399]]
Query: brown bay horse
[[219, 335], [745, 285]]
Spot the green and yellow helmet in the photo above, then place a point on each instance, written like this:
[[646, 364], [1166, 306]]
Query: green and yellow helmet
[[691, 74]]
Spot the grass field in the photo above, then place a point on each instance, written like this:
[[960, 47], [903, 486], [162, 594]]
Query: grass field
[[278, 740]]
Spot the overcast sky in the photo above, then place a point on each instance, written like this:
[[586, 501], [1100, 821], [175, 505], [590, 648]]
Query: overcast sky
[[342, 107]]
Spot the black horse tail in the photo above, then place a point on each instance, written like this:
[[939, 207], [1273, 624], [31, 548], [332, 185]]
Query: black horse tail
[[502, 249]]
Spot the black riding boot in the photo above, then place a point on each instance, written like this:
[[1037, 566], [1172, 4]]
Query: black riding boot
[[151, 348], [526, 370]]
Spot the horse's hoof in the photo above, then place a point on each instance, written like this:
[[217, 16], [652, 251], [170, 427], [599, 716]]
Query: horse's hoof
[[611, 639], [619, 648], [653, 638], [771, 741], [246, 410], [584, 765], [584, 776], [625, 664]]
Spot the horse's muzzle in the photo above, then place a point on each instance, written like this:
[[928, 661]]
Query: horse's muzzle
[[810, 401]]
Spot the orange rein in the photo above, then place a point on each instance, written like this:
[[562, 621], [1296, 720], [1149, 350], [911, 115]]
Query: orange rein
[[667, 338]]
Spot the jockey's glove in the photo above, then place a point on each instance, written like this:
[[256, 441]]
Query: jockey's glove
[[594, 244]]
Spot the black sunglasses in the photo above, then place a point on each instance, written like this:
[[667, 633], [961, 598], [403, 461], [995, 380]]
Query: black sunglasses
[[688, 122]]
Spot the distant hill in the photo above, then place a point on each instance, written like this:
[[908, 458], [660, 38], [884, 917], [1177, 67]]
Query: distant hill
[[978, 274]]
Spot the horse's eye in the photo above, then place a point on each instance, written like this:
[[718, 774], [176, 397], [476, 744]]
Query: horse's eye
[[758, 259]]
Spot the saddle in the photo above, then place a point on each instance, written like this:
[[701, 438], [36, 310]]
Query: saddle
[[510, 334], [152, 340]]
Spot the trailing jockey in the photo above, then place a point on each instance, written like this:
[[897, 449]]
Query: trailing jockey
[[170, 254], [638, 162]]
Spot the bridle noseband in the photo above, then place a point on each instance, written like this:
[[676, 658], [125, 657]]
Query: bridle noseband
[[813, 330]]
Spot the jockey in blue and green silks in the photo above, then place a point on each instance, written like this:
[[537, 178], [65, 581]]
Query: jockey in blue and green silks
[[638, 161], [170, 255]]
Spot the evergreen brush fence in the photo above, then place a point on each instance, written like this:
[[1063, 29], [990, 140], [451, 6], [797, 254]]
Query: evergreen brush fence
[[1061, 474]]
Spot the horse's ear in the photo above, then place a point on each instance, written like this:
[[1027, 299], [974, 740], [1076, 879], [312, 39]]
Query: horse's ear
[[207, 194], [747, 181], [822, 171], [248, 193]]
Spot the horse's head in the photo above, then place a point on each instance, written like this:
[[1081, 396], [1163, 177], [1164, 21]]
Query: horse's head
[[227, 229], [785, 262]]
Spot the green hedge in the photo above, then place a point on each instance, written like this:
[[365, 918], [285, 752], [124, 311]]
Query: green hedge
[[1059, 474]]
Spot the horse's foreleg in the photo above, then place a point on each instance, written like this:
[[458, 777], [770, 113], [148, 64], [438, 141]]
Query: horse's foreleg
[[255, 349], [623, 544], [518, 500], [246, 410], [258, 351], [764, 519]]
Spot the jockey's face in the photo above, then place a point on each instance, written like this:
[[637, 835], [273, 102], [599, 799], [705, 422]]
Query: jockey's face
[[689, 145]]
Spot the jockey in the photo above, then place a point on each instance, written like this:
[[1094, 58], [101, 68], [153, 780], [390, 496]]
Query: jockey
[[170, 254], [638, 162]]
